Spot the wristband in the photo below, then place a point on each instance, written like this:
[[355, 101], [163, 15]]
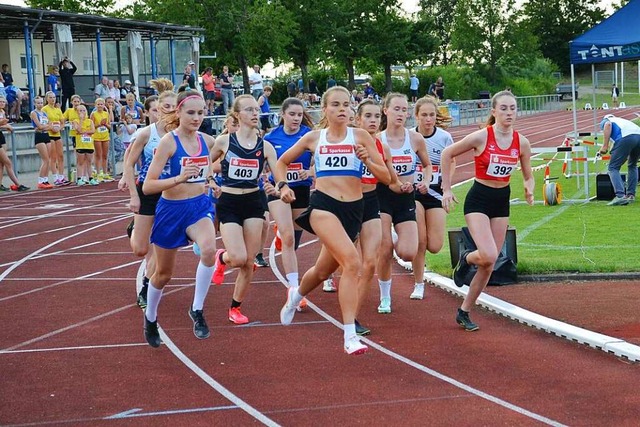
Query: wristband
[[281, 184]]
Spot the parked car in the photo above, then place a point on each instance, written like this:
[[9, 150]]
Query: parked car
[[564, 89]]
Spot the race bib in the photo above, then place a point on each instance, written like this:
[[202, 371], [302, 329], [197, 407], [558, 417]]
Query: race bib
[[244, 169], [402, 164], [84, 142], [337, 157], [56, 126], [293, 172], [501, 166], [44, 120], [102, 129], [435, 175], [418, 176], [203, 165]]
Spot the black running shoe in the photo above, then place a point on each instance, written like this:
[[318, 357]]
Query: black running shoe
[[361, 330], [260, 261], [130, 229], [142, 296], [151, 333], [463, 320], [461, 270], [200, 328]]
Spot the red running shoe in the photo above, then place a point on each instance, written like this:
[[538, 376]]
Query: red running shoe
[[218, 272], [236, 317]]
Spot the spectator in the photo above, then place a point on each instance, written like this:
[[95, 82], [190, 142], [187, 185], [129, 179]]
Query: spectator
[[355, 98], [291, 89], [67, 70], [265, 111], [226, 82], [194, 73], [331, 82], [626, 149], [255, 80], [14, 100], [369, 92], [439, 88], [126, 89], [114, 92], [6, 75], [300, 85], [615, 93], [187, 77], [432, 90], [414, 84], [209, 84], [52, 81], [102, 89]]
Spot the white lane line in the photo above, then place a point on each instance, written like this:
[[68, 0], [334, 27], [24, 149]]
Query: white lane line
[[80, 347], [31, 203], [135, 412], [215, 384], [422, 368], [67, 227]]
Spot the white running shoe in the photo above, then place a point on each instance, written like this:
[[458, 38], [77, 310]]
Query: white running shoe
[[329, 286], [394, 237], [352, 345], [385, 306], [289, 309], [418, 291]]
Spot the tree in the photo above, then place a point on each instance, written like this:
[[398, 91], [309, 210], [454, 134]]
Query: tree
[[442, 14], [480, 32], [557, 22], [94, 7]]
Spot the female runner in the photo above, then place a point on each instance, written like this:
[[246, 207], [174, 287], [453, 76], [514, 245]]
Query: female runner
[[497, 150], [40, 123], [336, 207], [430, 216], [397, 202], [240, 207], [159, 111], [56, 154], [294, 124], [181, 169]]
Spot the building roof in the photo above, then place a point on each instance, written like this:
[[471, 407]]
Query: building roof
[[83, 27]]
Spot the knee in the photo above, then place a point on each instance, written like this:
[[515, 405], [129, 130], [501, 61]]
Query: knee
[[208, 253], [434, 247], [237, 260], [161, 278], [405, 253], [351, 267], [287, 239], [368, 267], [140, 250], [486, 258]]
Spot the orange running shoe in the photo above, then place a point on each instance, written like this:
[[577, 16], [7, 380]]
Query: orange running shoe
[[236, 317], [44, 186], [218, 272], [278, 239], [302, 305]]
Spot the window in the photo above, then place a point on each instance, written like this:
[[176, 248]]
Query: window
[[34, 63], [87, 64]]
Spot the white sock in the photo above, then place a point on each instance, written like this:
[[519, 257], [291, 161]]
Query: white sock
[[203, 281], [292, 279], [297, 298], [421, 284], [385, 288], [349, 330], [153, 301]]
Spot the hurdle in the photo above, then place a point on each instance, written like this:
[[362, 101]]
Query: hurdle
[[568, 150]]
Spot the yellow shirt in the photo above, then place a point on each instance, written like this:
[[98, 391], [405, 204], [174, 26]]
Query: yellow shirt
[[84, 141], [102, 132], [55, 118], [71, 115]]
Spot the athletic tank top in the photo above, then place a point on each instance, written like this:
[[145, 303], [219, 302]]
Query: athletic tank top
[[281, 142], [367, 176], [435, 143], [181, 157], [404, 158], [84, 141], [133, 112], [337, 158], [42, 118], [494, 163], [102, 132], [241, 167], [148, 151]]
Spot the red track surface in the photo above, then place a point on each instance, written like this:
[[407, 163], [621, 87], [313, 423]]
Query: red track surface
[[72, 350]]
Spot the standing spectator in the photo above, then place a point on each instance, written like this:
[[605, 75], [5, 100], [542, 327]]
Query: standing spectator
[[291, 89], [209, 84], [414, 84], [194, 73], [432, 90], [67, 70], [626, 148], [369, 92], [300, 85], [6, 75], [52, 81], [188, 77], [5, 162], [114, 92], [226, 82], [255, 80], [615, 93], [331, 82], [102, 89], [439, 87], [265, 111]]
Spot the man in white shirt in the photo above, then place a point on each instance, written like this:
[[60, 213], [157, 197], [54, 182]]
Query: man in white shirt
[[102, 90], [626, 149], [255, 80]]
